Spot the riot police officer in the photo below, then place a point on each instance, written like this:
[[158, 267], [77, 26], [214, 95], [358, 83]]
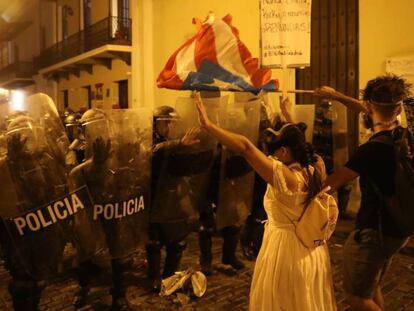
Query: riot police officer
[[39, 214], [230, 191], [32, 177], [76, 152], [170, 195], [116, 172]]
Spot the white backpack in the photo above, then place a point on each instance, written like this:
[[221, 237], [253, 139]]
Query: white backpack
[[318, 220]]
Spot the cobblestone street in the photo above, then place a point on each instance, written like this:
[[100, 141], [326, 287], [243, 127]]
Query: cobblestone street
[[226, 290]]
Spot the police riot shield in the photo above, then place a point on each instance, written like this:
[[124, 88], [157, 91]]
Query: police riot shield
[[39, 214], [180, 172], [117, 173], [322, 133], [340, 134], [236, 175]]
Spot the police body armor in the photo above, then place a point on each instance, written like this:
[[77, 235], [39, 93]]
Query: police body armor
[[181, 172], [116, 171], [39, 214]]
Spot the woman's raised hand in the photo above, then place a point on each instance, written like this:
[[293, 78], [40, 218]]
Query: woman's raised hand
[[286, 105], [202, 113]]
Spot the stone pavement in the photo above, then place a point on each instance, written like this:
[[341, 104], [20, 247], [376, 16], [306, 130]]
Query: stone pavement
[[227, 290]]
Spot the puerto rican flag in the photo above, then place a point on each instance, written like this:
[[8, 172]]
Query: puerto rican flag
[[215, 59]]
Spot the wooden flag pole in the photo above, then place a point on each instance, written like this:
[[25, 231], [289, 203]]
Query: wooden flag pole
[[297, 91]]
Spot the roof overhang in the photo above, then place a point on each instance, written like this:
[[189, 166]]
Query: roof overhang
[[84, 62], [16, 83]]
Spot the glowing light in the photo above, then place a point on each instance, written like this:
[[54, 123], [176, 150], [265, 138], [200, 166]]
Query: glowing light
[[17, 101], [4, 92]]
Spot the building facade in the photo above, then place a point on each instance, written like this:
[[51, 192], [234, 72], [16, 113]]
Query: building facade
[[79, 52]]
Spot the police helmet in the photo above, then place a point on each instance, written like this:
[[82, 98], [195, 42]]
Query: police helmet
[[93, 115], [19, 122], [165, 113], [13, 115], [66, 112], [73, 119]]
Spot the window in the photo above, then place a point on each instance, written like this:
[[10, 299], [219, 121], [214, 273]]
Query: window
[[123, 9], [65, 98], [123, 94], [87, 14]]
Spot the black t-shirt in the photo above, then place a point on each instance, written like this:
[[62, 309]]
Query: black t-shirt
[[374, 161]]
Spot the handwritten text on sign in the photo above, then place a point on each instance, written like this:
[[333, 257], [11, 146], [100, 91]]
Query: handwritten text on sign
[[285, 32]]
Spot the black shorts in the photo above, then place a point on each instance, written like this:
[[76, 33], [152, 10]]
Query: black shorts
[[366, 260]]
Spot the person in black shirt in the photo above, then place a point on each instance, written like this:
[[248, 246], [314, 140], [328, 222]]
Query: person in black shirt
[[370, 247]]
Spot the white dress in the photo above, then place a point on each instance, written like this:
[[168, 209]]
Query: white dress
[[287, 275]]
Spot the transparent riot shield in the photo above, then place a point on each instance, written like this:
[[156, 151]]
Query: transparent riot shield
[[340, 135], [306, 114], [236, 175], [39, 213], [322, 140], [181, 173], [117, 173]]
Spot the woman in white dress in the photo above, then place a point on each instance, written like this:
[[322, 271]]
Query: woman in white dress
[[288, 276]]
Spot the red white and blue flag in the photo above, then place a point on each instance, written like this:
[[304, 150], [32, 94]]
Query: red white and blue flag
[[215, 59]]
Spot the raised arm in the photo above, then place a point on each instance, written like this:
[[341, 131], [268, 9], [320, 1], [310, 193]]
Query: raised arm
[[332, 94], [287, 109], [339, 178], [237, 143]]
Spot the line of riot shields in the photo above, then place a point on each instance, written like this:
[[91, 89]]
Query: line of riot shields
[[90, 188]]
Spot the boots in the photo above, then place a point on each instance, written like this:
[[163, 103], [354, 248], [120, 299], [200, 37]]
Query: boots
[[25, 294], [251, 237], [120, 267], [84, 278], [246, 237], [206, 257], [172, 261], [154, 263], [230, 240]]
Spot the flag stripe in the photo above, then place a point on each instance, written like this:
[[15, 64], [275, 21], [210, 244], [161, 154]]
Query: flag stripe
[[215, 59]]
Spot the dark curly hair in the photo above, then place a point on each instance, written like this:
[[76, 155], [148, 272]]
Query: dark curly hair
[[386, 89], [293, 137]]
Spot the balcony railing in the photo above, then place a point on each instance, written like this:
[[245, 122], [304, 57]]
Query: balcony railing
[[16, 71], [111, 30]]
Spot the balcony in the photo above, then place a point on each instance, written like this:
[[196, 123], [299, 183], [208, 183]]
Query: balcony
[[97, 44], [16, 75]]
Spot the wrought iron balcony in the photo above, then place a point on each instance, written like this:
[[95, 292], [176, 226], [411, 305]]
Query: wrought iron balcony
[[111, 30], [17, 75]]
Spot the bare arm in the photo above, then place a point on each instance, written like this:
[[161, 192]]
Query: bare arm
[[240, 144], [286, 107], [237, 143], [339, 178], [350, 102]]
